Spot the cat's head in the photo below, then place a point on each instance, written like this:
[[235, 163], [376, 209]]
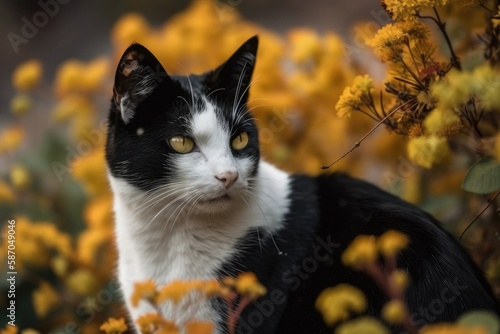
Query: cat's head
[[190, 138]]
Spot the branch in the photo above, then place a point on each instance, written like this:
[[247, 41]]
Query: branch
[[480, 212], [442, 26], [358, 143]]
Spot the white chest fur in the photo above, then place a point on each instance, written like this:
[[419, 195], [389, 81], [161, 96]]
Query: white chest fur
[[195, 247]]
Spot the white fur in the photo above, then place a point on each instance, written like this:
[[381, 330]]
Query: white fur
[[172, 233]]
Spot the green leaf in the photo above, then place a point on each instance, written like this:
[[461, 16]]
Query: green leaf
[[486, 319], [483, 177]]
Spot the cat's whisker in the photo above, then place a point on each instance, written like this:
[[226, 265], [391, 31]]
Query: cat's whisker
[[214, 91], [265, 220], [168, 191], [238, 86], [187, 103], [164, 208]]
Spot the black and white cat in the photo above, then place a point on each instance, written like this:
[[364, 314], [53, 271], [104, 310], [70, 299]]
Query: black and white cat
[[193, 200]]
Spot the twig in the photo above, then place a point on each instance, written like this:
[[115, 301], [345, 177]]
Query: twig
[[442, 26], [491, 200], [358, 143], [394, 293]]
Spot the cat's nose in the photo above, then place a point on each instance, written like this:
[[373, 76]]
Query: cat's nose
[[227, 178]]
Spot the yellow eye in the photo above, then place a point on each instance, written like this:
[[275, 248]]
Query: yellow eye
[[182, 144], [240, 142]]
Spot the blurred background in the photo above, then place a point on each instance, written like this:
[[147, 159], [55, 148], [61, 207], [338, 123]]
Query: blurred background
[[58, 65]]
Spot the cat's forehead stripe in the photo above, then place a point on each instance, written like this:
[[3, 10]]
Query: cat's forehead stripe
[[206, 124]]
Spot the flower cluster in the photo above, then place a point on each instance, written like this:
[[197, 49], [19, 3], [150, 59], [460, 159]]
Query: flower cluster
[[340, 303], [443, 101], [237, 292]]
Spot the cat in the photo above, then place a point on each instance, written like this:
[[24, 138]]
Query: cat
[[194, 200]]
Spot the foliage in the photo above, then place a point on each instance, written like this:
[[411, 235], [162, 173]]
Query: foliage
[[338, 304], [438, 105]]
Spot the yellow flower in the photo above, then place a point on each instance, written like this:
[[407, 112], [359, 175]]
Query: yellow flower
[[440, 119], [388, 42], [168, 328], [198, 327], [496, 152], [27, 76], [414, 30], [407, 9], [8, 330], [69, 77], [40, 242], [129, 29], [60, 265], [363, 83], [485, 84], [45, 298], [10, 139], [53, 239], [305, 45], [394, 312], [30, 331], [353, 96], [90, 170], [83, 282], [92, 242], [72, 106], [6, 193], [482, 84], [427, 151], [399, 278], [98, 212], [153, 323], [213, 288], [149, 323], [362, 250], [20, 104], [496, 19], [248, 285], [114, 326], [95, 73], [337, 303], [392, 242], [362, 325], [19, 177], [175, 291], [453, 329], [144, 290], [452, 91]]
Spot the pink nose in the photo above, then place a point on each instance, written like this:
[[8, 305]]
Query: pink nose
[[227, 178]]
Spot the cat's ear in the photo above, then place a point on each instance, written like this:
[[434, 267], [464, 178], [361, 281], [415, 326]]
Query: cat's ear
[[137, 76], [235, 75]]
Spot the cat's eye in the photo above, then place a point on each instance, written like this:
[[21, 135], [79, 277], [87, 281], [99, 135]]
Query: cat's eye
[[182, 144], [240, 142]]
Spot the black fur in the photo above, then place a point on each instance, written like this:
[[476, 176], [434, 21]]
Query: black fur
[[326, 213], [165, 111]]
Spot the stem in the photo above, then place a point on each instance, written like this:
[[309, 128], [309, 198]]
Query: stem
[[231, 318], [358, 143], [417, 80], [442, 27], [412, 56], [376, 273], [407, 82], [490, 201]]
